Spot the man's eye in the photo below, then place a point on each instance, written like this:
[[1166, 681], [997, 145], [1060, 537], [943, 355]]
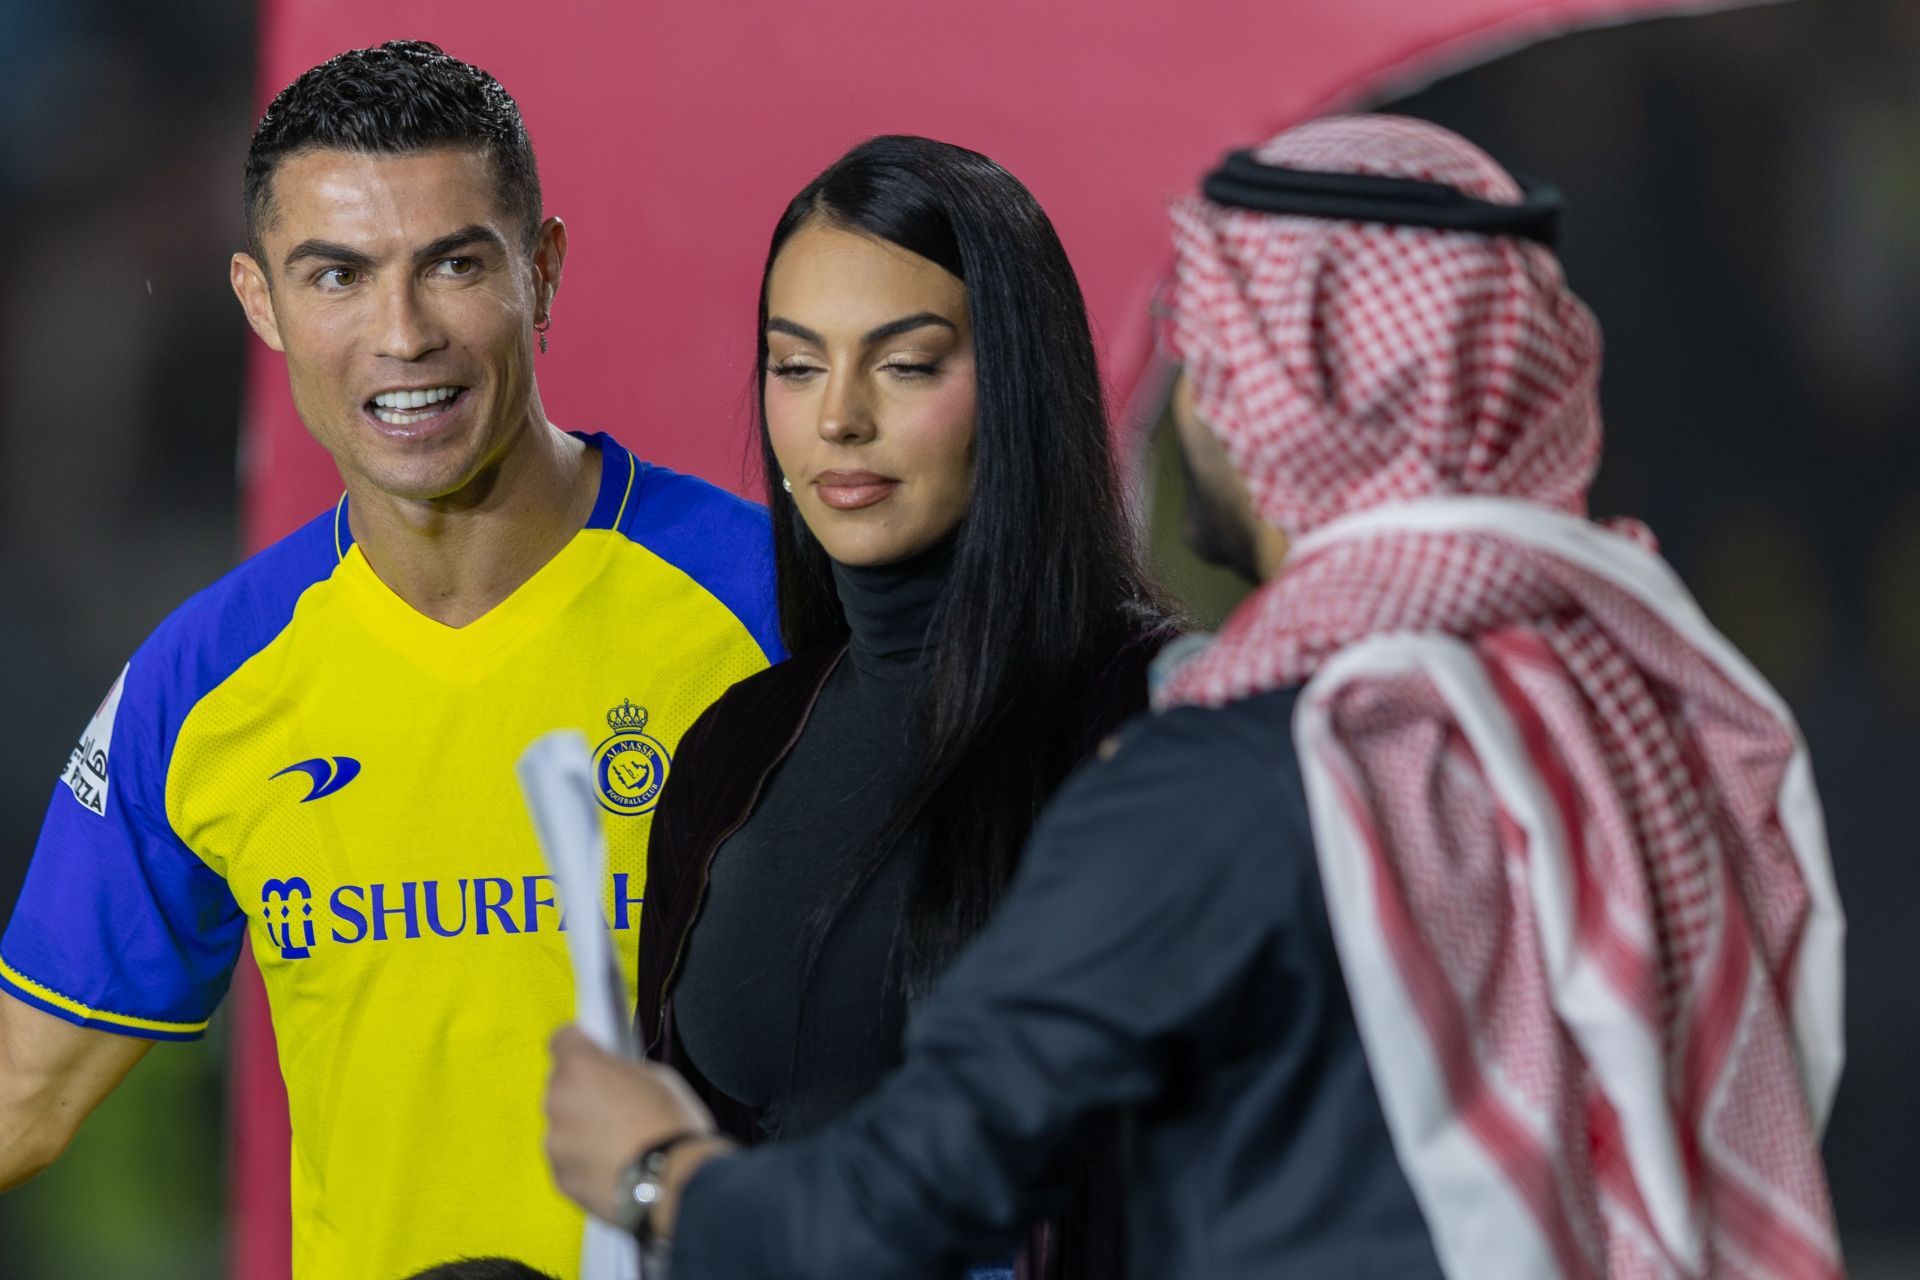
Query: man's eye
[[338, 277], [456, 266]]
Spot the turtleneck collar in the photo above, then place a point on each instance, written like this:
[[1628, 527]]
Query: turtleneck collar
[[889, 607]]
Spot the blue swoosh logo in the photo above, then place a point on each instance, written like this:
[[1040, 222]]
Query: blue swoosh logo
[[327, 776]]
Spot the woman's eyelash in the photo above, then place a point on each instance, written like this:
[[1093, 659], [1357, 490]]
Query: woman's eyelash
[[896, 367]]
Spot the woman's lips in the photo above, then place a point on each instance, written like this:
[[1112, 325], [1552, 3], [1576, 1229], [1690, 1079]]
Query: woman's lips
[[852, 490]]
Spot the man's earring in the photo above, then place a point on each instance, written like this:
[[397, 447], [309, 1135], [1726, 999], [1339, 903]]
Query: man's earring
[[786, 484], [540, 327]]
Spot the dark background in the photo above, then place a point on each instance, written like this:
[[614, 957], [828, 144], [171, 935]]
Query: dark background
[[1745, 219]]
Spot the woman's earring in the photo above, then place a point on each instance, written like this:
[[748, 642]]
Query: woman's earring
[[540, 327], [786, 484]]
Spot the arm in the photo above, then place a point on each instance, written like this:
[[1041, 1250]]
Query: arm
[[52, 1075], [602, 1111], [121, 935], [1152, 890], [1156, 891]]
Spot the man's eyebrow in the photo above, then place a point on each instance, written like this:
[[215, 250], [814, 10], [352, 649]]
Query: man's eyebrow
[[464, 238], [891, 329], [326, 251]]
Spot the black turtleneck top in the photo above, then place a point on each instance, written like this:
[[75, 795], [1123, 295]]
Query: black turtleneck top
[[799, 1046]]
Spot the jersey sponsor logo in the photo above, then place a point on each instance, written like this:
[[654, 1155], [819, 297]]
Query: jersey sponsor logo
[[86, 771], [629, 766], [327, 775], [287, 906], [413, 910]]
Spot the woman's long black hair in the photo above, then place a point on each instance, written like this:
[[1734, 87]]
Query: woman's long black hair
[[1046, 584]]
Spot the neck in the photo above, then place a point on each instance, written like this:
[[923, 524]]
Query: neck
[[455, 558], [889, 608]]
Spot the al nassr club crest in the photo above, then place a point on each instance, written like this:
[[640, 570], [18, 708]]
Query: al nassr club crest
[[629, 766]]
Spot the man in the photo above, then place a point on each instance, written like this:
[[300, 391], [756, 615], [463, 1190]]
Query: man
[[317, 752], [1467, 911]]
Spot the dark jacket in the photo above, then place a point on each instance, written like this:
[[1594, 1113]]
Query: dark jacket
[[723, 761], [1163, 951]]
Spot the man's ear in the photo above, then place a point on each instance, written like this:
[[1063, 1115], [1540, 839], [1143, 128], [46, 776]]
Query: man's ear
[[549, 256], [249, 280]]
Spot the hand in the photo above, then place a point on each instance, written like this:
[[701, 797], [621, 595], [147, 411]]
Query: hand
[[603, 1110]]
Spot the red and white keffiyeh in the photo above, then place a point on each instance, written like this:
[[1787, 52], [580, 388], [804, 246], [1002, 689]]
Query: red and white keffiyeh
[[1571, 846]]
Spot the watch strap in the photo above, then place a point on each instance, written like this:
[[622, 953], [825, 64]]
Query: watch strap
[[639, 1185]]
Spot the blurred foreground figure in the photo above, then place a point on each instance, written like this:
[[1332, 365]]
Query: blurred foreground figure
[[1467, 908], [316, 753]]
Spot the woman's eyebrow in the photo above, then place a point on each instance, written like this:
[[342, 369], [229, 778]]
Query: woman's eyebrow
[[777, 324], [905, 324], [891, 329]]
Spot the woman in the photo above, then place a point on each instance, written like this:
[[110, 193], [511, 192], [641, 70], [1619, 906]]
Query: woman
[[959, 587]]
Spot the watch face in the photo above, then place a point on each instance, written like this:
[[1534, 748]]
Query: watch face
[[639, 1186], [634, 1193]]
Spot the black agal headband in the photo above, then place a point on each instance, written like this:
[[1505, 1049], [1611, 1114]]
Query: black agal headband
[[1244, 182]]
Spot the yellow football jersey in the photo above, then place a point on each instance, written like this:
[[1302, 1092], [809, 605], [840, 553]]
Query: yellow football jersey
[[299, 756]]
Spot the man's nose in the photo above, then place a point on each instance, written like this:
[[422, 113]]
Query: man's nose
[[406, 328]]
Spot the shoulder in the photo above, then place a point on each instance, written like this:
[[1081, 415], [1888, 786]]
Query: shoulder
[[681, 517], [725, 753], [204, 641], [724, 543], [1198, 820], [756, 715], [119, 771], [1234, 743], [254, 600], [666, 506], [1193, 775]]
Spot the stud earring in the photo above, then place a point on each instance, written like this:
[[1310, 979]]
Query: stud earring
[[786, 484], [540, 327]]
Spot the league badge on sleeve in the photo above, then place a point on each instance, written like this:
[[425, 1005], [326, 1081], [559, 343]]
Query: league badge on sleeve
[[630, 767], [86, 771]]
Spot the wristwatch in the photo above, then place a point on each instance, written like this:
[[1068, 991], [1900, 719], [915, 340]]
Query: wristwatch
[[638, 1187]]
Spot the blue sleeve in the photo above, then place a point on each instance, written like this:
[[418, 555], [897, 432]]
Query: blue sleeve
[[1117, 953], [120, 926], [722, 542]]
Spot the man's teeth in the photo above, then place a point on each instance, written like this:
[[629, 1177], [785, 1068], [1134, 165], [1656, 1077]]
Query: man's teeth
[[398, 407], [414, 399]]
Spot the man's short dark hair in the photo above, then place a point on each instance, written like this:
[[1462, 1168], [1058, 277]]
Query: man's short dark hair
[[482, 1269], [395, 98]]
